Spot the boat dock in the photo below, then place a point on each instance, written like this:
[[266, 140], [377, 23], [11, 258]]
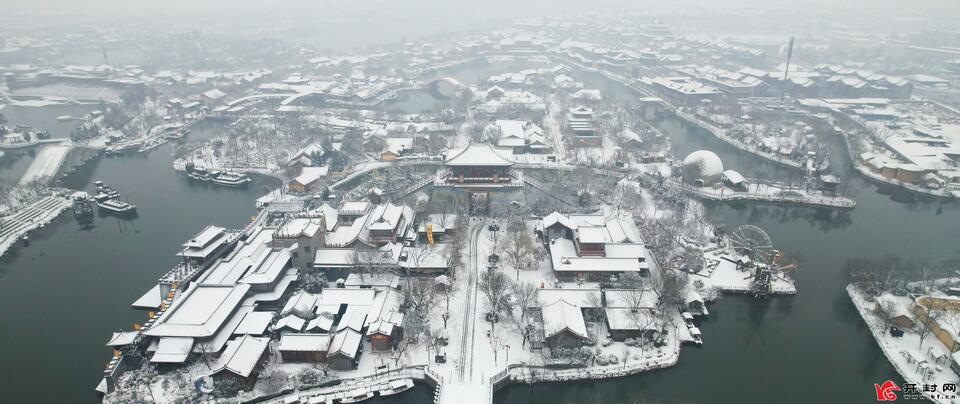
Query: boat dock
[[30, 217], [373, 385]]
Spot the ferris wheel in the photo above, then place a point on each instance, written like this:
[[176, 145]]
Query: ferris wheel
[[752, 242]]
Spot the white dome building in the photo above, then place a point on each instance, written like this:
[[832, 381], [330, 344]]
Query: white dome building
[[702, 168]]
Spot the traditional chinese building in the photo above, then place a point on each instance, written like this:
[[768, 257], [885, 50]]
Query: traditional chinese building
[[479, 164], [478, 170]]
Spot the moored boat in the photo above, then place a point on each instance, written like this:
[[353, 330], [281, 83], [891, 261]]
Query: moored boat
[[356, 396], [116, 207], [229, 178], [395, 387]]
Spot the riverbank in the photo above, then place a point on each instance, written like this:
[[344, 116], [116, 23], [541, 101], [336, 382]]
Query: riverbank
[[878, 178], [898, 353], [30, 217], [720, 134], [772, 193]]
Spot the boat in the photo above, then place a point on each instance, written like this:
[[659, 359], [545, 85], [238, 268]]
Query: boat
[[198, 175], [321, 399], [63, 118], [151, 144], [229, 178], [175, 135], [104, 192], [395, 387], [81, 205], [118, 149], [356, 396], [116, 207]]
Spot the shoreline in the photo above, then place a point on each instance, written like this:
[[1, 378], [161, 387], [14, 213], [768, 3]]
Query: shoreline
[[717, 133], [878, 336], [31, 217]]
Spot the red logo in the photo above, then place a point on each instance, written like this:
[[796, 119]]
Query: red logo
[[885, 391]]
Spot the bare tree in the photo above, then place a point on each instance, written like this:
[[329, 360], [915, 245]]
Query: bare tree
[[420, 296], [370, 261], [887, 309], [669, 286], [634, 289], [929, 322], [495, 287], [518, 250]]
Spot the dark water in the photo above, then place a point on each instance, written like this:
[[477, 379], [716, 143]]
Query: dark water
[[13, 165], [809, 348], [61, 297], [46, 117], [414, 102]]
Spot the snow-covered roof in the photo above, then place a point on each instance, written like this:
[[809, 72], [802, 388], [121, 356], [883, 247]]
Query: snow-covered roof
[[301, 302], [308, 175], [591, 234], [355, 280], [123, 338], [350, 297], [290, 322], [214, 94], [354, 208], [254, 323], [354, 318], [304, 342], [578, 297], [565, 258], [510, 128], [322, 323], [149, 300], [621, 318], [248, 254], [345, 343], [733, 176], [300, 227], [268, 268], [334, 257], [172, 350], [242, 355], [386, 217], [559, 316], [480, 155], [557, 217], [200, 312], [620, 298], [205, 242], [205, 236]]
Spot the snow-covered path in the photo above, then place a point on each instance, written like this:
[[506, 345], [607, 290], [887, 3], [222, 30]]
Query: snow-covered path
[[467, 384]]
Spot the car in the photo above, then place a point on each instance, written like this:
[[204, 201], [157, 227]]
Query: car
[[896, 331]]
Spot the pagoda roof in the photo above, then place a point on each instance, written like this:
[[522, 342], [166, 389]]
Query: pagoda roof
[[480, 155]]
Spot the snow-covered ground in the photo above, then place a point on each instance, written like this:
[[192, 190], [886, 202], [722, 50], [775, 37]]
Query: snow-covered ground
[[919, 362], [720, 273]]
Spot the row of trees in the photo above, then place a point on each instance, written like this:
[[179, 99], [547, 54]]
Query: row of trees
[[507, 298]]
